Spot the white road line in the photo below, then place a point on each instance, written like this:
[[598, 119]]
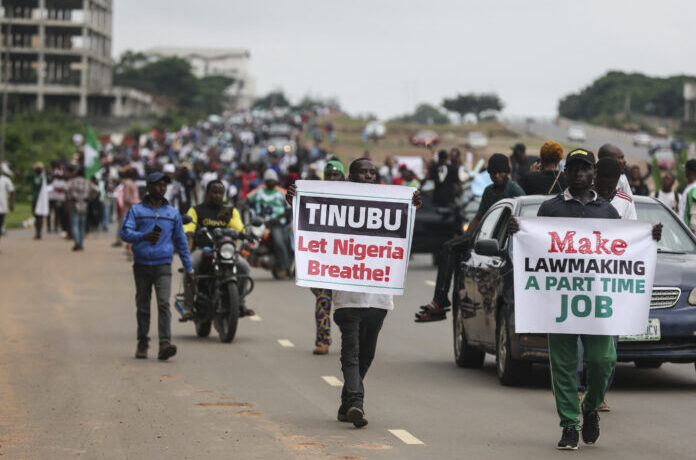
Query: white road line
[[429, 283], [285, 343], [406, 437], [255, 318], [333, 381]]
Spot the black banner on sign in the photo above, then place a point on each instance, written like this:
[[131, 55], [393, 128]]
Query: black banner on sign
[[356, 217]]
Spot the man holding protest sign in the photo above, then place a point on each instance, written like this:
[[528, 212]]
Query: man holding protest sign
[[538, 297], [355, 237]]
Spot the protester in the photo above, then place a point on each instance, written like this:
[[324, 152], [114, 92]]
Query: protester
[[520, 162], [579, 201], [612, 151], [37, 182], [269, 203], [129, 197], [360, 317], [445, 177], [546, 179], [7, 194], [333, 171], [452, 250], [637, 182], [212, 214], [79, 192], [687, 202], [155, 229], [666, 194], [56, 198]]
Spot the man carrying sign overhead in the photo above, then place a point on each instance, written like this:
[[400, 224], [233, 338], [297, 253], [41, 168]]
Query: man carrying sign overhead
[[579, 200]]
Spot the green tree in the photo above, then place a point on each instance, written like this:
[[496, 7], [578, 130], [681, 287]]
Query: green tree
[[272, 99], [425, 114], [473, 103]]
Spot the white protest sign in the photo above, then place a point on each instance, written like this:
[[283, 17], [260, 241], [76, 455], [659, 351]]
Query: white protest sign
[[413, 163], [352, 237], [583, 276]]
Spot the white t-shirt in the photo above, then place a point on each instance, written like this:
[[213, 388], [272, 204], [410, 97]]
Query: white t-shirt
[[624, 206], [348, 299], [669, 199], [6, 188], [624, 186]]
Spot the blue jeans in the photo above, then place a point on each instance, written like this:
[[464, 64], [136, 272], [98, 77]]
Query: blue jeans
[[106, 214], [581, 387], [79, 223]]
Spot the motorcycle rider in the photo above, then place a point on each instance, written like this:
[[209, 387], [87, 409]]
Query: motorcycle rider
[[269, 203], [213, 214]]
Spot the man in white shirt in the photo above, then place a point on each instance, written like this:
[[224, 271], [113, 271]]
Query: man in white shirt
[[7, 195], [359, 316], [666, 194], [612, 151]]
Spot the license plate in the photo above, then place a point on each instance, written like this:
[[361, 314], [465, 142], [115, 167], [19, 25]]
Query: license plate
[[651, 334]]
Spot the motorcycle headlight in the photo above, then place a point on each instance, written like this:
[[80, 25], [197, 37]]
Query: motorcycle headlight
[[227, 251], [692, 297]]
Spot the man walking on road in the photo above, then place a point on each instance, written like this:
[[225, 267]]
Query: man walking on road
[[79, 192], [579, 201], [7, 194], [360, 317], [155, 229]]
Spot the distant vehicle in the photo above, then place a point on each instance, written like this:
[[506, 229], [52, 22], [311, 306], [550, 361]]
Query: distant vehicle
[[375, 130], [665, 158], [280, 130], [576, 133], [278, 146], [476, 140], [642, 140], [425, 138]]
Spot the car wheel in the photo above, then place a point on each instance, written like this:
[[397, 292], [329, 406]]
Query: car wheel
[[647, 363], [510, 372], [464, 354]]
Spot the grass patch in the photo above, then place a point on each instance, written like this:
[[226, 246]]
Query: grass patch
[[14, 219]]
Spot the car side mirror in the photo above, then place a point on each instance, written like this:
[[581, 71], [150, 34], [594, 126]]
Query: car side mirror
[[487, 248]]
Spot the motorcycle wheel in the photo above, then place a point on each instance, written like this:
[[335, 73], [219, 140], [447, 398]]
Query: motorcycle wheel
[[203, 328], [226, 323]]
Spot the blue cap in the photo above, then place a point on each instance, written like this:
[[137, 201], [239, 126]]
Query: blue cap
[[156, 177]]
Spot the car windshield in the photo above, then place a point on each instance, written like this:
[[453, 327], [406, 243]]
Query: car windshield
[[674, 237]]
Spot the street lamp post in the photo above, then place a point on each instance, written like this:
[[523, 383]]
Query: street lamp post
[[6, 79]]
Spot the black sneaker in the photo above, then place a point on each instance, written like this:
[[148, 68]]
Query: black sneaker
[[166, 351], [356, 417], [341, 417], [590, 427], [569, 439], [141, 351]]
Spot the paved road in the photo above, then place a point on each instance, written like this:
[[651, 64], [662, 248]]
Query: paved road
[[596, 136], [70, 387]]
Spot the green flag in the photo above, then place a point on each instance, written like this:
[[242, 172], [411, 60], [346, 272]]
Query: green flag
[[92, 163]]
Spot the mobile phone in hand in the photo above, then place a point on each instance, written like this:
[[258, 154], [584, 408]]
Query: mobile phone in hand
[[157, 229]]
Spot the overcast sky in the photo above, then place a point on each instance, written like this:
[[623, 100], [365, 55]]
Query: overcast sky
[[385, 56]]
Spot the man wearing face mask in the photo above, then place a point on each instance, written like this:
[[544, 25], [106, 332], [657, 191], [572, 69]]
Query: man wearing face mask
[[502, 187]]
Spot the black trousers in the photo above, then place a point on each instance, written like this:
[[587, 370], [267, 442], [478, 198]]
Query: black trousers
[[146, 278], [359, 331], [450, 253]]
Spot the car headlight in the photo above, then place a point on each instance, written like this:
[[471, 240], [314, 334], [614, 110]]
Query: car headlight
[[227, 251], [286, 148], [271, 148], [692, 297]]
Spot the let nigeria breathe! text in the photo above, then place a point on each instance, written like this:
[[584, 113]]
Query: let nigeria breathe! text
[[576, 303]]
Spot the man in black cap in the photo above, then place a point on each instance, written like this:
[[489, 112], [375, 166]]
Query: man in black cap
[[579, 200], [155, 229], [521, 162], [502, 187]]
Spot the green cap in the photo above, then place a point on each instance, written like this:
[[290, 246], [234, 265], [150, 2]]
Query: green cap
[[334, 165]]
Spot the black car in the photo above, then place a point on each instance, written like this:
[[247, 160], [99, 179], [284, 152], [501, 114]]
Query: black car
[[483, 298]]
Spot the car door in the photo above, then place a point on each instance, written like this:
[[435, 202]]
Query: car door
[[476, 278]]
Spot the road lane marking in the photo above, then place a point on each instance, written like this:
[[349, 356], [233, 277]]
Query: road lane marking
[[255, 318], [430, 283], [285, 343], [333, 381], [406, 437]]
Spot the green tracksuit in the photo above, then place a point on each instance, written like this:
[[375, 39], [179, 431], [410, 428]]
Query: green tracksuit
[[599, 357]]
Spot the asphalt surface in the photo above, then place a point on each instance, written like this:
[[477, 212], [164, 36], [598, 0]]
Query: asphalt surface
[[70, 387], [596, 136]]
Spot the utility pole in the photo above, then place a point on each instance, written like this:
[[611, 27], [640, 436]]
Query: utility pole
[[6, 78]]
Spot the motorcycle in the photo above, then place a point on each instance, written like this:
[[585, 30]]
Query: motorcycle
[[217, 298], [260, 253]]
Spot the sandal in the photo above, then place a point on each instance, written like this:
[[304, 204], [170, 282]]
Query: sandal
[[431, 312]]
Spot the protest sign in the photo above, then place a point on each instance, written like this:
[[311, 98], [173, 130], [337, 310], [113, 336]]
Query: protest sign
[[583, 276], [352, 237]]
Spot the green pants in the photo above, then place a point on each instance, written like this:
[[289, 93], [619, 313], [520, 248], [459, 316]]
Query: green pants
[[599, 357]]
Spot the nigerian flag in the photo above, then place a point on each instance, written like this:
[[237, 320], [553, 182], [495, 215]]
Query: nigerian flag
[[92, 163]]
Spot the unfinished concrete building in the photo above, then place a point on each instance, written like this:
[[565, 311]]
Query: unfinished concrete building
[[60, 58]]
